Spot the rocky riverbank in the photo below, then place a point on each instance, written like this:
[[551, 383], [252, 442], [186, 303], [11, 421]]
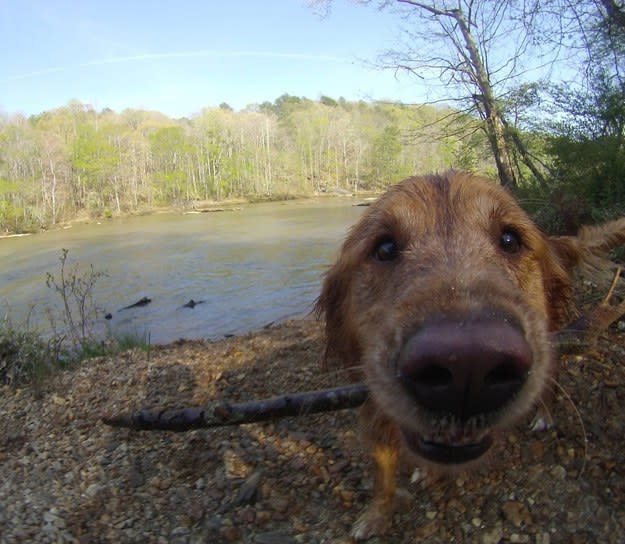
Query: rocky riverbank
[[66, 477]]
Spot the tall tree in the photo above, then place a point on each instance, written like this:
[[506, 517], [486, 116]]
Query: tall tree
[[472, 54], [477, 49]]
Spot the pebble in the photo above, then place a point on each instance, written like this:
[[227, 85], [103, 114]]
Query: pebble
[[279, 503], [543, 538], [517, 513], [273, 537], [493, 536], [93, 490], [339, 466], [230, 533], [426, 530], [558, 472], [135, 478]]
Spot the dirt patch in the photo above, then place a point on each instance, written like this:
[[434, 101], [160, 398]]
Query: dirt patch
[[66, 477]]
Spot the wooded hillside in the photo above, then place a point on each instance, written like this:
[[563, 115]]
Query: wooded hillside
[[75, 161]]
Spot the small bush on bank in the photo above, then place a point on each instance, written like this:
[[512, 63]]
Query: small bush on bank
[[25, 356], [28, 357]]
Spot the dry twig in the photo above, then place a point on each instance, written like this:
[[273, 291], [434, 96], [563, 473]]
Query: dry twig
[[223, 413]]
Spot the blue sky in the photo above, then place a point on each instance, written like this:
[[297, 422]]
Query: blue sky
[[178, 57]]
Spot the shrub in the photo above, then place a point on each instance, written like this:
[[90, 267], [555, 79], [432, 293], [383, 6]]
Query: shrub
[[29, 357], [25, 356]]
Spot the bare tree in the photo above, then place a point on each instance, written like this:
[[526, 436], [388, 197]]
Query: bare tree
[[472, 54], [478, 50]]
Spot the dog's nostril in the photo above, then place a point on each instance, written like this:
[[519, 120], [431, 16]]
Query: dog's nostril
[[504, 374], [434, 376]]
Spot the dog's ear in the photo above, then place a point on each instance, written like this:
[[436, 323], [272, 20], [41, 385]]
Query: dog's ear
[[590, 248], [567, 251], [586, 253], [332, 305]]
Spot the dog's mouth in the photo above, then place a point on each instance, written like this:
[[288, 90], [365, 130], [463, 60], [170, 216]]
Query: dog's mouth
[[452, 452]]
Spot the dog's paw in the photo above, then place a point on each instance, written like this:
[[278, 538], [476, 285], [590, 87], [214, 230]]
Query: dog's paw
[[418, 475], [371, 524], [377, 518], [374, 521]]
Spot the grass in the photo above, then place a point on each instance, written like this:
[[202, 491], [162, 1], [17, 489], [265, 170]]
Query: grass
[[25, 357], [28, 357]]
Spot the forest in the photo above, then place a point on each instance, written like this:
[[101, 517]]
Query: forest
[[558, 143], [75, 161]]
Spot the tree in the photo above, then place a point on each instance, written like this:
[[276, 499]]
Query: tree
[[93, 161], [473, 53], [169, 149], [476, 49], [585, 122], [63, 162], [386, 150]]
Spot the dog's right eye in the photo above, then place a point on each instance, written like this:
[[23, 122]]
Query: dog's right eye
[[386, 250]]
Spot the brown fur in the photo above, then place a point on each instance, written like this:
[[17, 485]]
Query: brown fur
[[450, 265]]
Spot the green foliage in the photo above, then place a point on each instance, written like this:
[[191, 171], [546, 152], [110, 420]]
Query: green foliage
[[74, 160], [386, 150], [25, 356], [586, 143], [110, 345], [123, 341], [94, 162]]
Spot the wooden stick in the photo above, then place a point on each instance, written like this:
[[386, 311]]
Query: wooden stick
[[577, 337], [223, 413]]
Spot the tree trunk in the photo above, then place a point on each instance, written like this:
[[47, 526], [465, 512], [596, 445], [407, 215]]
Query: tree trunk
[[472, 71], [495, 124]]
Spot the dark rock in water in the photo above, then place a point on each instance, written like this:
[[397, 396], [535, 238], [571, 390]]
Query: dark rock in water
[[108, 316], [193, 303], [142, 302]]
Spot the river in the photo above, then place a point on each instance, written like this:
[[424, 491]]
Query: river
[[260, 264]]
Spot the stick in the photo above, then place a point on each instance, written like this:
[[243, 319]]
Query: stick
[[576, 338], [223, 413]]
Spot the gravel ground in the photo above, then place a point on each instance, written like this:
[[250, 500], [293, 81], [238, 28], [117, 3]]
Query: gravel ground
[[66, 477]]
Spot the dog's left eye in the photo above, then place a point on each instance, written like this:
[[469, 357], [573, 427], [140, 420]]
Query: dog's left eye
[[386, 250], [510, 241]]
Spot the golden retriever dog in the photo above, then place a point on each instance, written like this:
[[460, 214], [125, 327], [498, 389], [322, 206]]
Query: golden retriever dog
[[444, 298]]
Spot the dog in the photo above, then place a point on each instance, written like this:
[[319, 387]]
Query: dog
[[444, 299]]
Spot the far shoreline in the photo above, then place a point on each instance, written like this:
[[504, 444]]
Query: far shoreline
[[197, 207]]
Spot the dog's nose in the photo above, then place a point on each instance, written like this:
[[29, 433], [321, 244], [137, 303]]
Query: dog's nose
[[465, 368]]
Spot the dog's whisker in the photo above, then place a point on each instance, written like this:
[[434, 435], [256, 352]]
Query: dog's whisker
[[578, 415]]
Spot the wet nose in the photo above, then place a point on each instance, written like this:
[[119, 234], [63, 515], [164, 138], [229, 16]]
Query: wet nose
[[465, 368]]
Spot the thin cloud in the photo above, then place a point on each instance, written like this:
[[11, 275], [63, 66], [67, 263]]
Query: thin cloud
[[178, 55]]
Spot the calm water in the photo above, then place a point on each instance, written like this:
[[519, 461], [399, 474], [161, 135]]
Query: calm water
[[261, 264]]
